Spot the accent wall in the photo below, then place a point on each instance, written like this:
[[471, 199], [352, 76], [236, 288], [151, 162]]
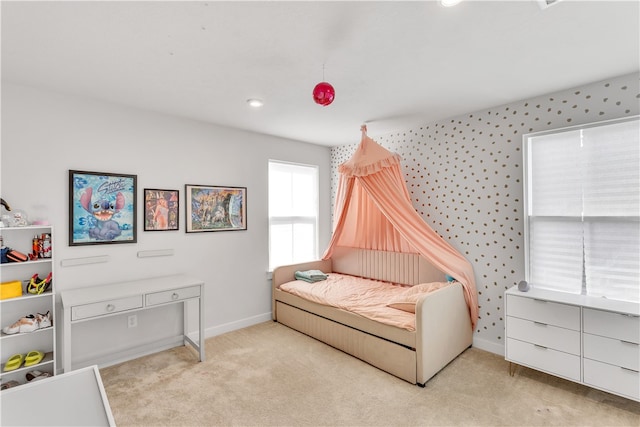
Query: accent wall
[[464, 175]]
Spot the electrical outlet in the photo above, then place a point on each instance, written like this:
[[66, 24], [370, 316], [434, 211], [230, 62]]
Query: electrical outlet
[[132, 321]]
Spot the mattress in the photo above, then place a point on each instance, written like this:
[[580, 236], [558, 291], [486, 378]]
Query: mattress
[[369, 298]]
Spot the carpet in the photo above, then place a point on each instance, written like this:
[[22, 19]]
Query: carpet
[[271, 375]]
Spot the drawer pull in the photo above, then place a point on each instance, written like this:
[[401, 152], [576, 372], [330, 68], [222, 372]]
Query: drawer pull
[[627, 369], [628, 342], [540, 300], [110, 307], [175, 296], [540, 346], [540, 324]]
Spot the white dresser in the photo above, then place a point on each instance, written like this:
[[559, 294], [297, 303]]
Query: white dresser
[[589, 340]]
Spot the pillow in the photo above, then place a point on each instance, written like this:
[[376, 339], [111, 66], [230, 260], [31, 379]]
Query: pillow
[[409, 307], [409, 298], [424, 288], [405, 304]]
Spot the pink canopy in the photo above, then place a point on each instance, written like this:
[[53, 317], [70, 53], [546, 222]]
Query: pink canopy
[[373, 210]]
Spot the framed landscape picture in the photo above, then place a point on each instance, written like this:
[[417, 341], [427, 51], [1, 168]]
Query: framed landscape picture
[[214, 208], [161, 210], [102, 208]]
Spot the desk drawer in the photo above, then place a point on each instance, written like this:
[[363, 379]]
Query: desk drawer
[[105, 307], [613, 325], [612, 378], [612, 351], [544, 359], [550, 313], [172, 296], [550, 336]]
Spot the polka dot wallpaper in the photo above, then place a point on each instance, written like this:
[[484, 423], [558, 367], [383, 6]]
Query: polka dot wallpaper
[[464, 176]]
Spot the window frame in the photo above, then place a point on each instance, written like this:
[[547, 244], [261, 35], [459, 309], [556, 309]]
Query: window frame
[[530, 219], [295, 219]]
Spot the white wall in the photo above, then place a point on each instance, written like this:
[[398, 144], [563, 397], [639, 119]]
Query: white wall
[[45, 134]]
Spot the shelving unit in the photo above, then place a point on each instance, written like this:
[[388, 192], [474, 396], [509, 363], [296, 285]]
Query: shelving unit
[[12, 309]]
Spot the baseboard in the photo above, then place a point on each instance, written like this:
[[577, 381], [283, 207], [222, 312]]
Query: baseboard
[[489, 346], [130, 353], [165, 344], [231, 326]]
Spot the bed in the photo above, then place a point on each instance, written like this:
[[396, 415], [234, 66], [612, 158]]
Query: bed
[[441, 328]]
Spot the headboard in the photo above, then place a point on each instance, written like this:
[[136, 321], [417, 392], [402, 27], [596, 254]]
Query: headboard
[[395, 267]]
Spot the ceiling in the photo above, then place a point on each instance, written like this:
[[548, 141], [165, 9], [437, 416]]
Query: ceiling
[[393, 64]]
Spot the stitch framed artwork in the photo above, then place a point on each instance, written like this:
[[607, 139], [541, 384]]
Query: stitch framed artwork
[[102, 208], [161, 210], [213, 208]]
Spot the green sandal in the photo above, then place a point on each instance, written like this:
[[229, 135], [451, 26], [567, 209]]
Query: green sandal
[[33, 358], [14, 362]]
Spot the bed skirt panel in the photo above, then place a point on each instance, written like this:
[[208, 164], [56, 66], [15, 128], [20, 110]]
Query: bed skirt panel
[[393, 358]]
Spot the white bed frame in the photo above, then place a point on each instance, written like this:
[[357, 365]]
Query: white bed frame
[[443, 327]]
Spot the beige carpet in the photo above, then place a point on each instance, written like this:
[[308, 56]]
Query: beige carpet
[[270, 375]]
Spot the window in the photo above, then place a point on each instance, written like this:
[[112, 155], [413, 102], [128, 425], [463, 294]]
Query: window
[[582, 205], [293, 213]]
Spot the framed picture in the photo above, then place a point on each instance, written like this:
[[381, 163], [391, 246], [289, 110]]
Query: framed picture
[[161, 210], [210, 208], [102, 208]]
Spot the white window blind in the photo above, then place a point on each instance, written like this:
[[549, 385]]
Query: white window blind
[[611, 161], [293, 213], [556, 251], [582, 190]]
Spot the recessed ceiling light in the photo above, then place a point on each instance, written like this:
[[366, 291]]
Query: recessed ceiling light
[[547, 3], [255, 103], [449, 3]]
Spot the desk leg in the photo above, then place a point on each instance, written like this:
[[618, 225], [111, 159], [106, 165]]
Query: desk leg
[[201, 323], [66, 339], [185, 322], [198, 346]]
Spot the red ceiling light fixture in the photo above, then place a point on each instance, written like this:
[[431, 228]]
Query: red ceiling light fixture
[[323, 93]]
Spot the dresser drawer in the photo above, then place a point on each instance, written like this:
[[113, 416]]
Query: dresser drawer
[[172, 296], [566, 340], [544, 359], [613, 325], [612, 378], [102, 308], [612, 351], [550, 313]]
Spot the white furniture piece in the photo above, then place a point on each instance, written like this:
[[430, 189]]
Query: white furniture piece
[[71, 399], [12, 309], [590, 340], [86, 304]]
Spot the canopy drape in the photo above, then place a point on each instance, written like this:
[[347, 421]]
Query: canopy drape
[[373, 210]]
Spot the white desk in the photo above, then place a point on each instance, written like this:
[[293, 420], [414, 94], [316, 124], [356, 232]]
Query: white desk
[[86, 304], [72, 399]]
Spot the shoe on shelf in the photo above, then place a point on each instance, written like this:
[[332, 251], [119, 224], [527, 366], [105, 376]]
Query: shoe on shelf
[[33, 358], [44, 320], [36, 375], [25, 324], [9, 384], [37, 285], [14, 362]]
